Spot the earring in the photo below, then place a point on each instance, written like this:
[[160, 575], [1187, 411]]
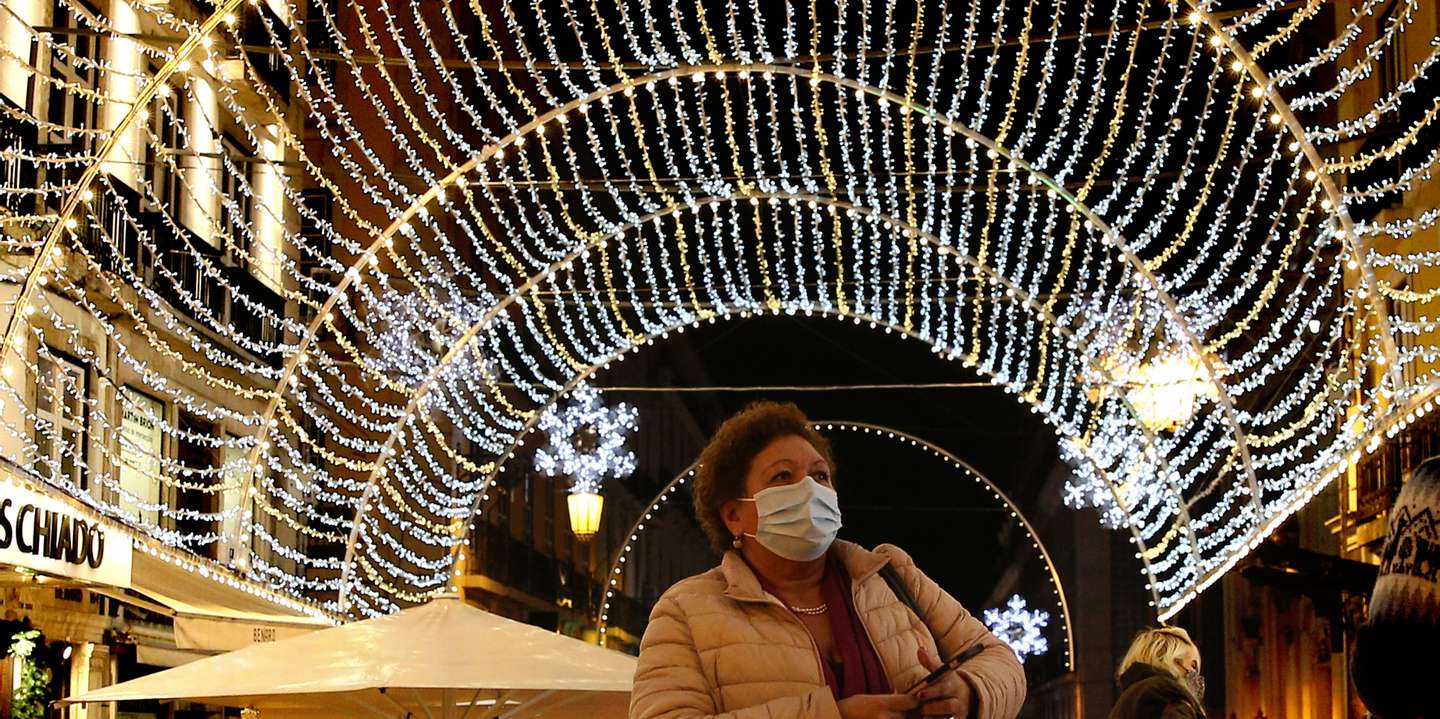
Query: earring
[[736, 543]]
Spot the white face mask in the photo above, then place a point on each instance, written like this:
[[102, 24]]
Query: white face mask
[[1196, 682], [797, 521]]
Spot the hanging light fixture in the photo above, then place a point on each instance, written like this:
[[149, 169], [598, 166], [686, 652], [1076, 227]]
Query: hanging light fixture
[[587, 444], [1140, 354], [585, 514], [1166, 391]]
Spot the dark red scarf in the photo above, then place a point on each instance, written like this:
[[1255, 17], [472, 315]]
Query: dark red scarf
[[861, 671]]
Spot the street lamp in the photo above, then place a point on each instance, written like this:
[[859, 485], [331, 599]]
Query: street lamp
[[585, 514], [1166, 391], [587, 444]]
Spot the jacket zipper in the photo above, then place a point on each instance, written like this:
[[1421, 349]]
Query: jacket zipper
[[819, 665]]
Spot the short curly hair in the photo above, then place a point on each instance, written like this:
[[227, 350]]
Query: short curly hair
[[720, 472]]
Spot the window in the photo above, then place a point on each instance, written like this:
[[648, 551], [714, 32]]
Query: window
[[260, 27], [196, 495], [60, 392], [142, 449], [315, 224], [527, 516], [1391, 60], [549, 505], [17, 140], [236, 200], [166, 140], [69, 57], [319, 35], [1406, 342]]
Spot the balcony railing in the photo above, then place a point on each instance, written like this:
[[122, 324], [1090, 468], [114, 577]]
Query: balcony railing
[[123, 237], [1378, 477], [18, 138]]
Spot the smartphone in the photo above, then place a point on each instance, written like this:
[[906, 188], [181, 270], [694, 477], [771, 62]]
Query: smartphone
[[950, 665]]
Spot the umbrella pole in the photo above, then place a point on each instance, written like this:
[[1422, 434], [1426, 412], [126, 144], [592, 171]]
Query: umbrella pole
[[539, 708], [421, 703], [500, 699], [404, 713], [537, 699], [370, 708], [471, 706]]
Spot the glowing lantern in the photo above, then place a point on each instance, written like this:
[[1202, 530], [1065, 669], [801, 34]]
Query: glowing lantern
[[585, 514], [1166, 391]]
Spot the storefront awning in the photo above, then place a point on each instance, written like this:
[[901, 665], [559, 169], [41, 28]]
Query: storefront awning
[[186, 592], [50, 535], [212, 615]]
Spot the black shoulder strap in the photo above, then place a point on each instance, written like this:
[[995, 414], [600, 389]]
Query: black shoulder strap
[[902, 592]]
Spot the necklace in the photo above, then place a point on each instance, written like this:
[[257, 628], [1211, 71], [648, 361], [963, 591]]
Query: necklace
[[809, 611]]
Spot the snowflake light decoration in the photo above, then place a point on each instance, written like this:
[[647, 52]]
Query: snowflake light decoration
[[1019, 626], [587, 440], [413, 333]]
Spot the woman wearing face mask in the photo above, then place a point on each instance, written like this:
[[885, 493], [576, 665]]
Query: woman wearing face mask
[[795, 624], [1160, 677]]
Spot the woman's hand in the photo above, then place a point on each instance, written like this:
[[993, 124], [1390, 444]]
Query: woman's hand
[[949, 696], [877, 706]]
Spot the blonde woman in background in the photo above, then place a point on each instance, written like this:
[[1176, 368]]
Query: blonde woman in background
[[1160, 677]]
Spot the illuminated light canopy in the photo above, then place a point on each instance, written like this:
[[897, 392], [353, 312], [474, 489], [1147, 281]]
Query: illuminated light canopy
[[413, 334], [1165, 391], [1139, 352], [1019, 627], [366, 260]]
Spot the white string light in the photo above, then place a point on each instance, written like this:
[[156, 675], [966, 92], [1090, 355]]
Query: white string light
[[587, 441]]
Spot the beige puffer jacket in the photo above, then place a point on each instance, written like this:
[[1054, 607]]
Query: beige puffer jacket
[[718, 644]]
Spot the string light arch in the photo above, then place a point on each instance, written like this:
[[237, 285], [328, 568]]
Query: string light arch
[[587, 376], [1014, 294]]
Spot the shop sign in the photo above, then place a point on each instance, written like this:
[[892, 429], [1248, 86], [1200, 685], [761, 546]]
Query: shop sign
[[49, 536], [211, 635], [141, 447]]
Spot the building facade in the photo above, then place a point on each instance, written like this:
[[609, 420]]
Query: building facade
[[1292, 609]]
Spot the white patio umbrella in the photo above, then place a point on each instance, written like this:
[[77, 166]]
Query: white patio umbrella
[[444, 659]]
